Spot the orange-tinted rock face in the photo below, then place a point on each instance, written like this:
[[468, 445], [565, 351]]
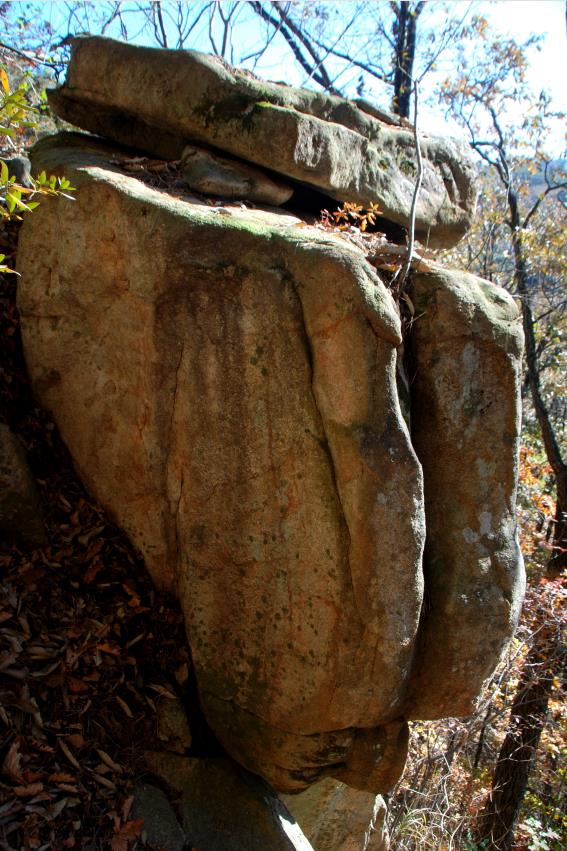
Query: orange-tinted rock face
[[227, 388], [467, 351]]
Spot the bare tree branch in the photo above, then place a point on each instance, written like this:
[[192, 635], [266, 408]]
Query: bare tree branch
[[288, 31]]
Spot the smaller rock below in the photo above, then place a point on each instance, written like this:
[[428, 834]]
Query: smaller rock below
[[20, 513], [225, 808], [335, 817], [173, 727], [161, 830], [213, 175], [20, 168]]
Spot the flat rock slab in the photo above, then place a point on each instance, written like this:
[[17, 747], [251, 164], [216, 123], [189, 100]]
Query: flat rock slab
[[229, 178], [158, 100]]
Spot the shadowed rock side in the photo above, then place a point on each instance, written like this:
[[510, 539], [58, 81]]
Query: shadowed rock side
[[20, 510], [467, 348], [225, 382], [224, 808], [158, 100]]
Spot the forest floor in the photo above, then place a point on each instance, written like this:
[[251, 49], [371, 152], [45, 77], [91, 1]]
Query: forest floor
[[85, 642]]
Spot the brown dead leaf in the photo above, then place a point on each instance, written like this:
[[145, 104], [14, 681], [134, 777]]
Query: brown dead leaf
[[104, 781], [109, 761], [11, 766], [163, 691], [77, 686], [68, 753], [92, 571], [29, 790], [124, 706], [32, 776], [127, 806], [61, 777], [129, 831], [111, 649]]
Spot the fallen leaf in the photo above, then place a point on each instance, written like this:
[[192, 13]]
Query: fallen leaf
[[77, 686], [127, 806], [125, 707], [163, 691], [69, 754], [109, 761], [103, 781], [28, 791], [12, 762], [111, 649], [92, 572], [61, 777], [130, 830]]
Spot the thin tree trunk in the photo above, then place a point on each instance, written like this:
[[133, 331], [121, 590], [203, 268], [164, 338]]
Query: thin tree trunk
[[544, 660], [400, 80], [405, 33], [558, 561], [517, 754]]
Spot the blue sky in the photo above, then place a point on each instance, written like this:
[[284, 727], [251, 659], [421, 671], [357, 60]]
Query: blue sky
[[516, 18]]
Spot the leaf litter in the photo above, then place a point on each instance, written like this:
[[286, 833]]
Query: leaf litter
[[85, 640]]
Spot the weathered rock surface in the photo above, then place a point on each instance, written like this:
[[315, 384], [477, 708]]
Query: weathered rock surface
[[224, 808], [213, 175], [466, 348], [335, 817], [20, 511], [161, 828], [158, 100], [173, 726], [226, 386], [225, 380]]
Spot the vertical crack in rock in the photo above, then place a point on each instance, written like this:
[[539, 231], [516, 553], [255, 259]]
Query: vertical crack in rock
[[352, 329], [177, 501], [326, 446]]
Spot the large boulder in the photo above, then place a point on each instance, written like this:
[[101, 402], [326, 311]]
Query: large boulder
[[158, 100], [335, 817], [225, 380], [466, 375]]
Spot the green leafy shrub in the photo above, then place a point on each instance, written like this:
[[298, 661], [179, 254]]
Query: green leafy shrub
[[16, 116]]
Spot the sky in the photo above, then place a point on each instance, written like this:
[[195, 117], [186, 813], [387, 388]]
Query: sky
[[522, 18], [516, 18]]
